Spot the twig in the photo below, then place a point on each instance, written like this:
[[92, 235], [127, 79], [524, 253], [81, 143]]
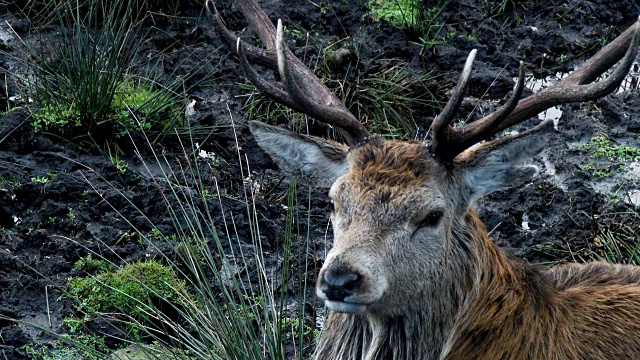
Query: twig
[[46, 294], [571, 218]]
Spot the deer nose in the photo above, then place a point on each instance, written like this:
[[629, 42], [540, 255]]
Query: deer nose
[[337, 284]]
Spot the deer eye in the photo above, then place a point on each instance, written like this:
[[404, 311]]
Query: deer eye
[[432, 219], [332, 205]]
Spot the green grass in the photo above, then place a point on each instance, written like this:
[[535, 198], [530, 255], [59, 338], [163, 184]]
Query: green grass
[[420, 16], [44, 12], [84, 82], [502, 6], [387, 98], [396, 12], [384, 95], [618, 244]]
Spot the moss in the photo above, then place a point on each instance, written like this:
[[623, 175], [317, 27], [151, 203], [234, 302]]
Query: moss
[[68, 347], [132, 289]]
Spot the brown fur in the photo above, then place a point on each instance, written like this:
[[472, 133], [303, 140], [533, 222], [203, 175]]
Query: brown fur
[[479, 304], [382, 167]]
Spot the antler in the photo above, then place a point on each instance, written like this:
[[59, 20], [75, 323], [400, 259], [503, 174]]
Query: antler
[[448, 142], [302, 90]]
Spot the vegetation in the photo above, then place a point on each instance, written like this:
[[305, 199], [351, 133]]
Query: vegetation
[[212, 300], [397, 12], [70, 347], [618, 245], [83, 82], [420, 16], [129, 292], [227, 301], [612, 158], [385, 95], [43, 12], [502, 6]]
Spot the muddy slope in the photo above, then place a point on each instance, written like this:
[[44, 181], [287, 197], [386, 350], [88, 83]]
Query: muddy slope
[[58, 201]]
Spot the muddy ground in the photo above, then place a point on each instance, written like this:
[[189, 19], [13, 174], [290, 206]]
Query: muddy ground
[[47, 226]]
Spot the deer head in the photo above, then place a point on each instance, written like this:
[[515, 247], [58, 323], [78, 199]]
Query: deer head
[[404, 230]]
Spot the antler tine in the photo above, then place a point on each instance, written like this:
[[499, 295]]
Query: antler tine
[[266, 58], [261, 84], [470, 135], [334, 116], [440, 125], [574, 88], [303, 92]]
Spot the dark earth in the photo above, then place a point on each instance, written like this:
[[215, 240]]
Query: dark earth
[[87, 205]]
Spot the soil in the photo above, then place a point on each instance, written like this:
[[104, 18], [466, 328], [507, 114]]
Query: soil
[[86, 205]]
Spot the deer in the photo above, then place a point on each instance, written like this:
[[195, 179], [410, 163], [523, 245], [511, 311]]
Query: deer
[[413, 273]]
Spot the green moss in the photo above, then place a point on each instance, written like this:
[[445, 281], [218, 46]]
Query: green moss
[[131, 290], [51, 116], [87, 263], [77, 347], [155, 109]]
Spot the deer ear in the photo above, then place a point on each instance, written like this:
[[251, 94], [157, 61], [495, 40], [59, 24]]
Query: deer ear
[[302, 155], [502, 164]]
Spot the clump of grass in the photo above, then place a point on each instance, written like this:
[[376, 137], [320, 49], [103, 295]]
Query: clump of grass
[[43, 12], [420, 16], [384, 95], [76, 76], [618, 245], [612, 158], [387, 97], [82, 82], [497, 8]]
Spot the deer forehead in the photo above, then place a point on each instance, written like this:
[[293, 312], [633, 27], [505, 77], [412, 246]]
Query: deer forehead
[[399, 175], [391, 164]]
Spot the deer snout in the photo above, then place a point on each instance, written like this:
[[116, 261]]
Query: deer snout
[[339, 283], [350, 282]]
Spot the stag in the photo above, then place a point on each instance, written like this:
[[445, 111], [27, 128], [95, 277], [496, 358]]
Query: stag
[[413, 273]]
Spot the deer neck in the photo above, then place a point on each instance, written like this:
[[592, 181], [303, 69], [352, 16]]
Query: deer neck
[[503, 292]]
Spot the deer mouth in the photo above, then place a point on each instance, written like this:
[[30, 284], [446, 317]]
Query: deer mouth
[[345, 307]]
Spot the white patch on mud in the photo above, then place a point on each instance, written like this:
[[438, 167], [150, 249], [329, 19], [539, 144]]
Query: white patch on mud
[[190, 109], [525, 222], [5, 32], [632, 80], [634, 197]]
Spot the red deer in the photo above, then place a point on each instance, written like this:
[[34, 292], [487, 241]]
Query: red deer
[[412, 273]]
